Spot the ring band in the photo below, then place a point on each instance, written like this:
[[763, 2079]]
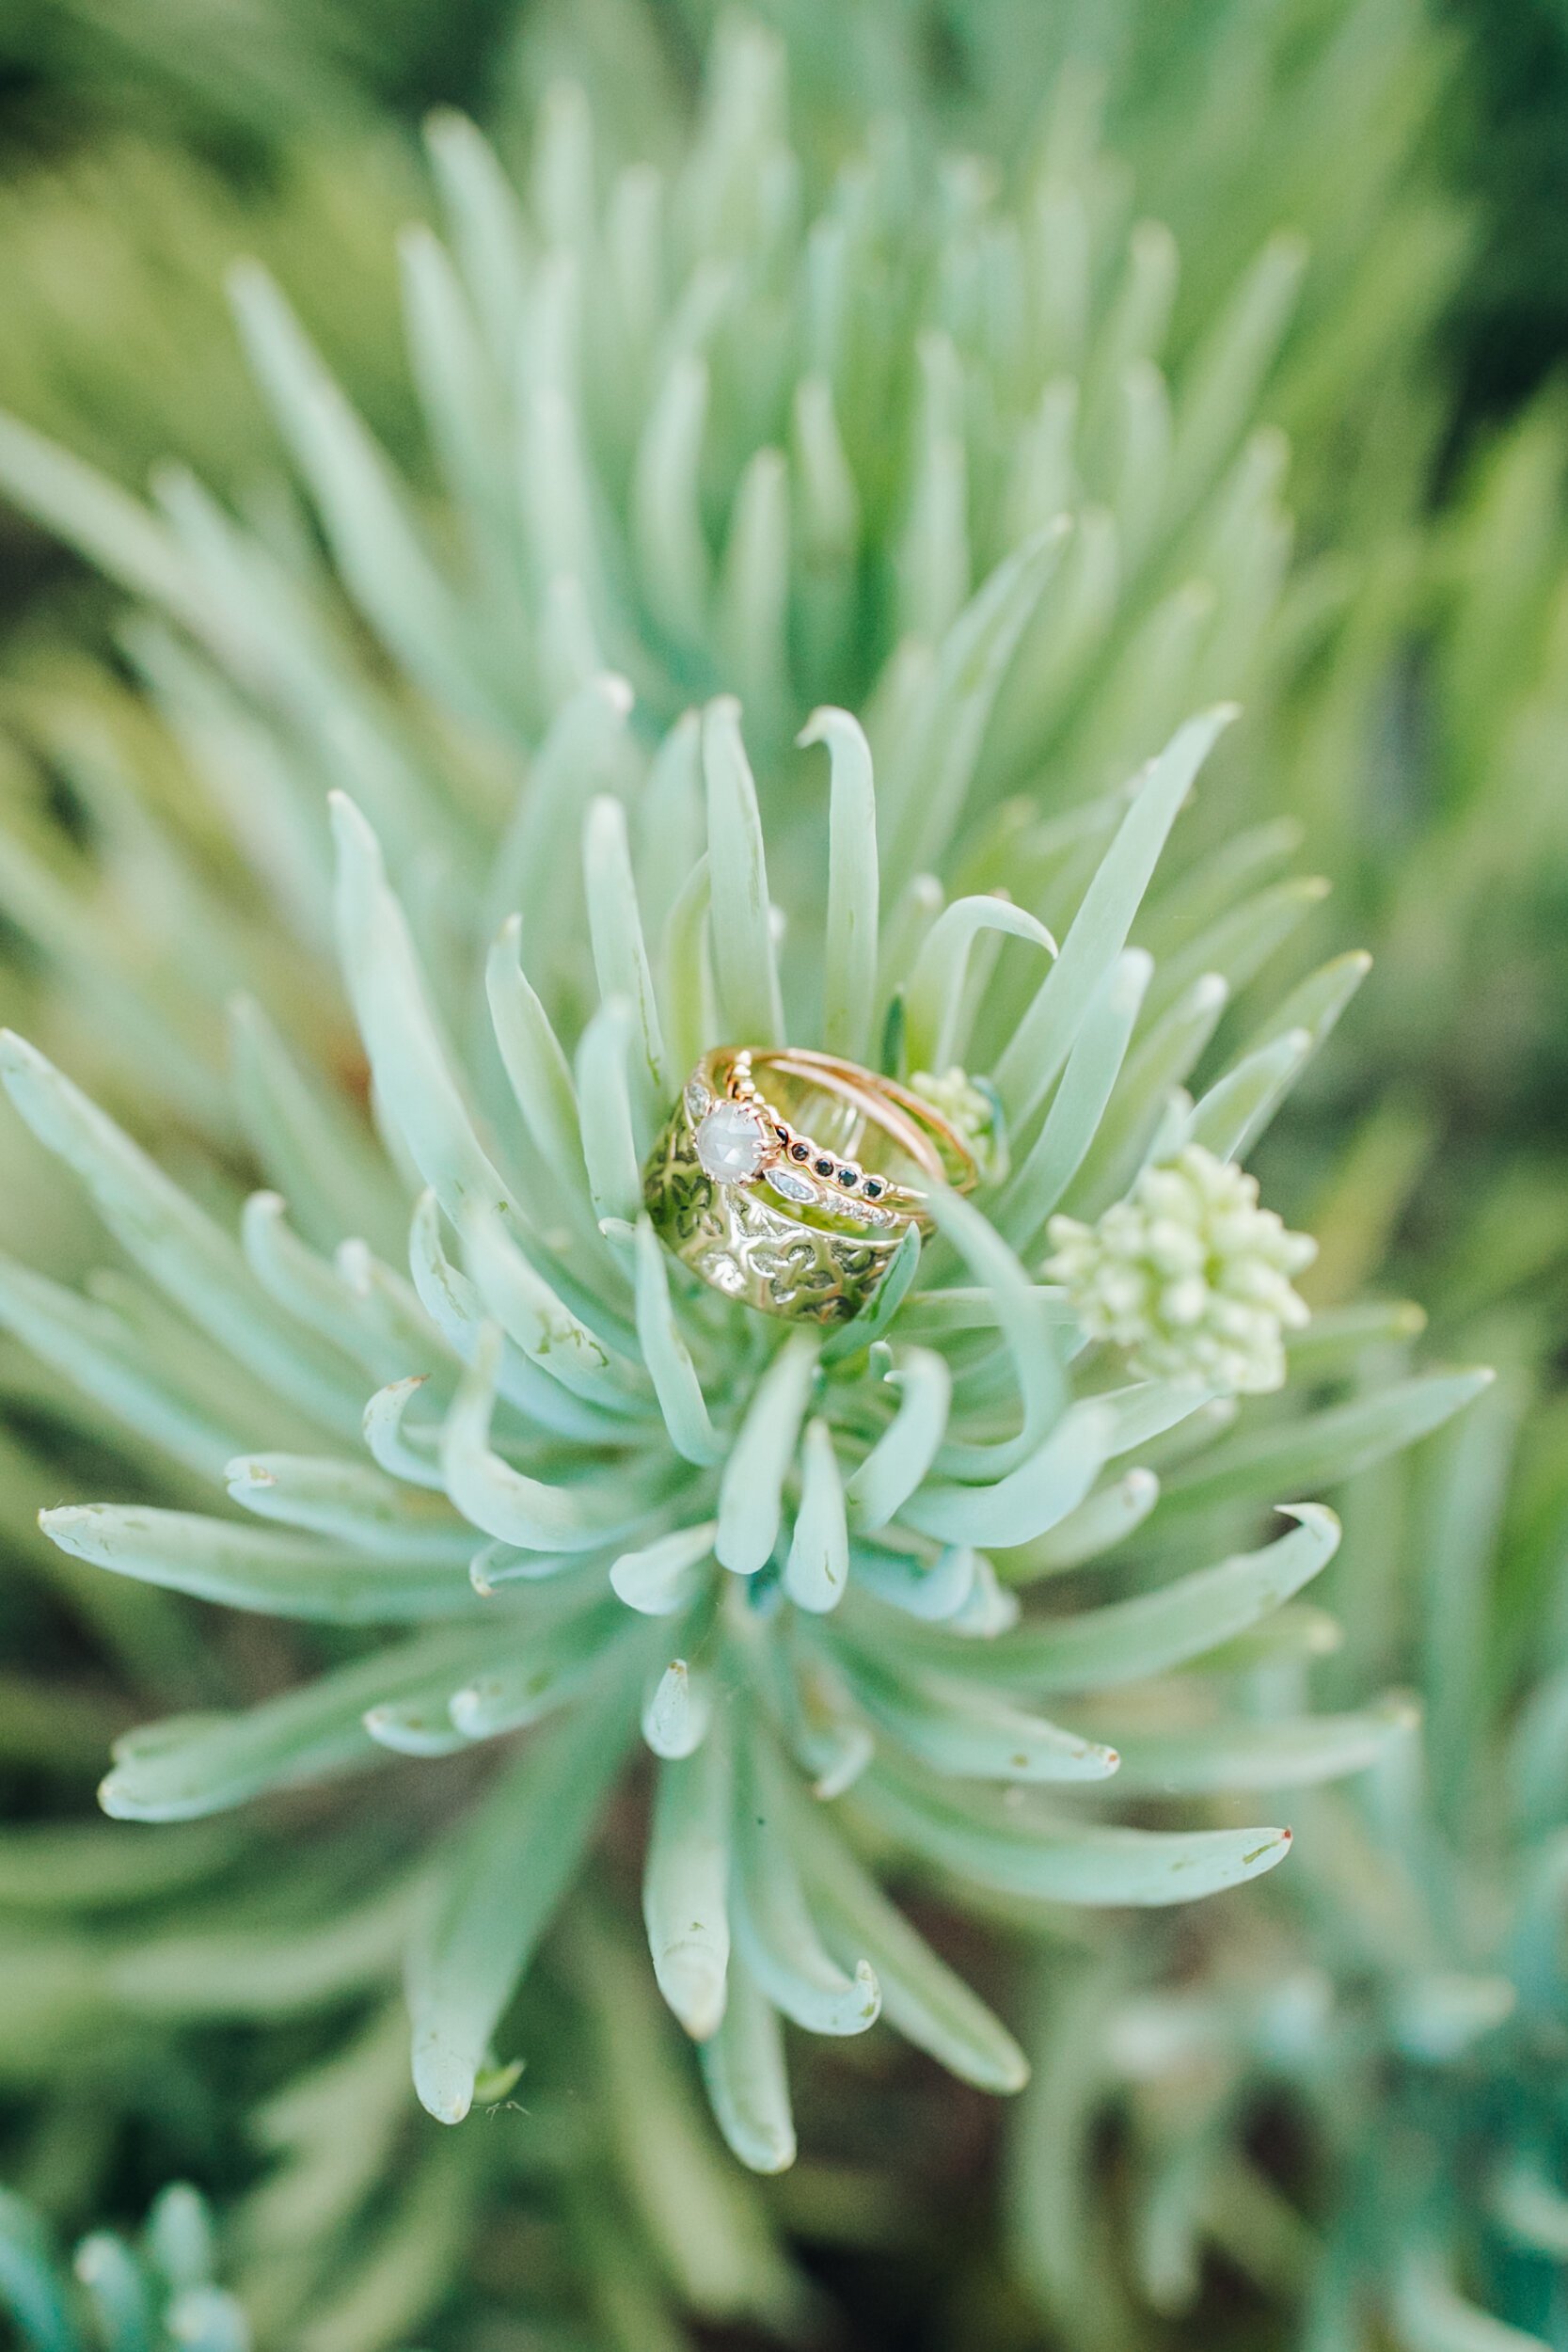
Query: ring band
[[774, 1215]]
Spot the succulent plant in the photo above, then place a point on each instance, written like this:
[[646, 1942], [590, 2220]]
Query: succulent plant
[[446, 1375]]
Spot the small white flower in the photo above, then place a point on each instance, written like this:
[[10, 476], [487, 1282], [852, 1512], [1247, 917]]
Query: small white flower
[[972, 1108], [1188, 1274]]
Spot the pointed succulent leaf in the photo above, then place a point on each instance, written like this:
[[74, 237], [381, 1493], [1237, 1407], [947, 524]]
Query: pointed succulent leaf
[[498, 1888]]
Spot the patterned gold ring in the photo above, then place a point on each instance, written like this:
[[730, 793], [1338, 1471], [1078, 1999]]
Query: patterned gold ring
[[788, 1179]]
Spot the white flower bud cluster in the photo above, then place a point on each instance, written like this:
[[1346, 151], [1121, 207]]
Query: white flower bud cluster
[[969, 1106], [1188, 1274]]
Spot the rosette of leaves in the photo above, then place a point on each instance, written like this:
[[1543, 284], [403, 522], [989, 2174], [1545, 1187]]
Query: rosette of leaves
[[600, 1498], [147, 231], [1351, 2106], [716, 432], [605, 1499], [789, 442], [222, 2000]]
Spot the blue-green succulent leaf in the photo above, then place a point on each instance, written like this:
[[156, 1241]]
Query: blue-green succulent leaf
[[1158, 1063], [500, 1886], [30, 2285], [1238, 945], [1126, 1641], [897, 1465], [1330, 1444], [1044, 1038], [397, 1448], [816, 1565], [1430, 2315], [321, 1158], [921, 1995], [192, 1765], [969, 1734], [535, 1513], [1101, 1521], [379, 553], [1020, 1505], [854, 1339], [666, 509], [934, 997], [743, 2067], [609, 1148], [180, 1248], [620, 954], [666, 1358], [774, 1930], [1049, 1861], [686, 1886], [1091, 1072], [253, 1569], [411, 1062], [677, 1712], [1288, 1752], [112, 530], [1027, 1317], [561, 1656], [115, 2291], [850, 948], [956, 704], [1228, 1120], [94, 1348], [353, 1502], [740, 914], [751, 1487], [664, 1578]]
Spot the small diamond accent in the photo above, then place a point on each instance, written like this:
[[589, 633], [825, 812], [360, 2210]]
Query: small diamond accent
[[792, 1186], [698, 1098], [731, 1143]]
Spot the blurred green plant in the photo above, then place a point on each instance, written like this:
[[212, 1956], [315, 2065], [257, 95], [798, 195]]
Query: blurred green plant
[[776, 431], [112, 265], [151, 2296], [1333, 2123], [234, 1997], [777, 510], [794, 1598], [1352, 2102], [236, 81]]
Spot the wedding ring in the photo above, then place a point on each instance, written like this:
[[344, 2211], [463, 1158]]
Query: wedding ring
[[786, 1179]]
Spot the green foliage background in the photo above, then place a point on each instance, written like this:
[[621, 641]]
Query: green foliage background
[[1189, 2165]]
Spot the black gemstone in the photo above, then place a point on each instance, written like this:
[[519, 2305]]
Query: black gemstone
[[783, 1134], [800, 1150], [847, 1177], [873, 1188], [823, 1168]]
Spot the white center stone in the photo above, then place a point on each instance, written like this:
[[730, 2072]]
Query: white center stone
[[731, 1142]]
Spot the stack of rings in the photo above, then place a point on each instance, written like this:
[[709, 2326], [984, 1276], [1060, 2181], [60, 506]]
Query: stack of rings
[[788, 1179]]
